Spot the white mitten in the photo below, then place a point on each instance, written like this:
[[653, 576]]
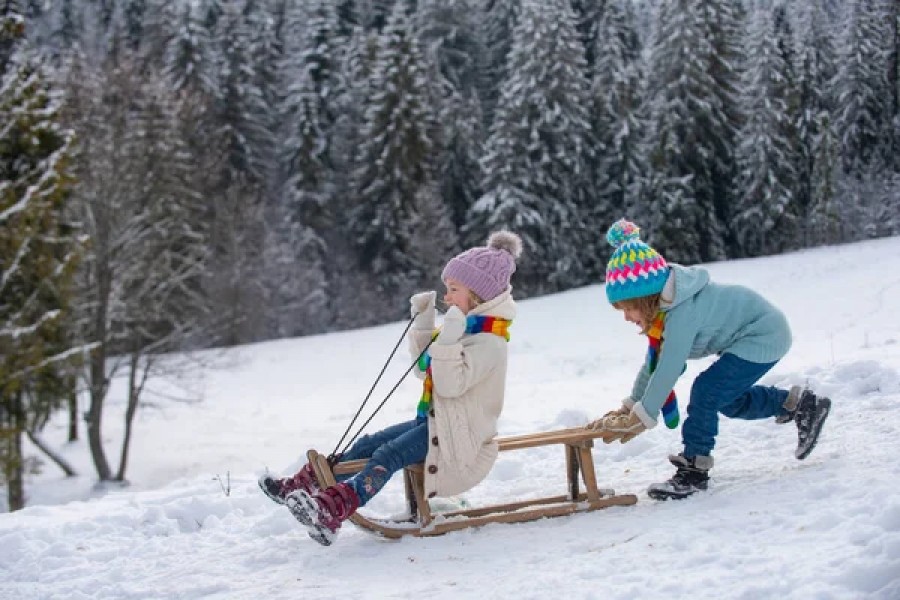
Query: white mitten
[[453, 328], [421, 307]]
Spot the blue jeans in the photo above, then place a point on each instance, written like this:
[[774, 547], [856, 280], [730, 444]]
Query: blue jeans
[[727, 387], [388, 451]]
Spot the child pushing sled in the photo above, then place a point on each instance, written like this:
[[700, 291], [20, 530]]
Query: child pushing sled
[[685, 315]]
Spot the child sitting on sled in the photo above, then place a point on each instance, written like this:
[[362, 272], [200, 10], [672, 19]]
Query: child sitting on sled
[[464, 377], [685, 315]]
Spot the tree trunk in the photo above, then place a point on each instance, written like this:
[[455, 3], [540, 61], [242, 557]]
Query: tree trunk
[[13, 464], [59, 460], [95, 415], [134, 392], [95, 442], [73, 415], [15, 480]]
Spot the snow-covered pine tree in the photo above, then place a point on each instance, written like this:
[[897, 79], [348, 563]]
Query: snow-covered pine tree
[[823, 217], [537, 158], [496, 20], [722, 23], [863, 97], [315, 44], [690, 130], [133, 15], [587, 20], [617, 119], [264, 54], [395, 164], [815, 69], [893, 13], [765, 219], [450, 35], [39, 250], [188, 60], [242, 110], [68, 24], [301, 213]]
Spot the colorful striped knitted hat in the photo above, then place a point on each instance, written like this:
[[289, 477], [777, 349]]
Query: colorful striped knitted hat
[[635, 269]]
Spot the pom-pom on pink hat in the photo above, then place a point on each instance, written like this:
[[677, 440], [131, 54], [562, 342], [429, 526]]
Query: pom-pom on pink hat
[[486, 270]]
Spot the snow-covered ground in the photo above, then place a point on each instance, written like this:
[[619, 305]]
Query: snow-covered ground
[[770, 526]]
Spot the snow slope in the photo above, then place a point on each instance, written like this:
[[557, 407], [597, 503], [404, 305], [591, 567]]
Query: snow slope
[[770, 526]]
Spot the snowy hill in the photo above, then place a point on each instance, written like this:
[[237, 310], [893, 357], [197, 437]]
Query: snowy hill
[[770, 526]]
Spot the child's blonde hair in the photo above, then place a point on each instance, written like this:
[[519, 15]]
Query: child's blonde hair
[[647, 305]]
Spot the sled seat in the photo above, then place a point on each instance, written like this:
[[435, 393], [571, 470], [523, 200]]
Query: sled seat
[[576, 443]]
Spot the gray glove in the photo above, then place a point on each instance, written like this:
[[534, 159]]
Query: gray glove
[[454, 326], [421, 307]]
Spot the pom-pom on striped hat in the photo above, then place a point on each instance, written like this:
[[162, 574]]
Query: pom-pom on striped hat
[[635, 269]]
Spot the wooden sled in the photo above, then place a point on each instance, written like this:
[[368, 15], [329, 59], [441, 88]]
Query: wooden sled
[[576, 442]]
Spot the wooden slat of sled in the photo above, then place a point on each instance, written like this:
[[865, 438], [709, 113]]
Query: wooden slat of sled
[[579, 464]]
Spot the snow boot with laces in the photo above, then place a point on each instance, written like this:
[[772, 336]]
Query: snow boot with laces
[[323, 512], [810, 416], [691, 477], [278, 489]]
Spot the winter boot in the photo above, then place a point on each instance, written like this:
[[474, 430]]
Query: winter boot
[[278, 489], [691, 477], [790, 405], [323, 512], [810, 416]]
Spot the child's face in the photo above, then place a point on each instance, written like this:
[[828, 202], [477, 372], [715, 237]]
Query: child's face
[[633, 314], [458, 295]]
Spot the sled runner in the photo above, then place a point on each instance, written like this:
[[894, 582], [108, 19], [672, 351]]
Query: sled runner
[[579, 464]]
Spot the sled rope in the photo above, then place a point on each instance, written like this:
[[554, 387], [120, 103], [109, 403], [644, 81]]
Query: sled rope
[[335, 455]]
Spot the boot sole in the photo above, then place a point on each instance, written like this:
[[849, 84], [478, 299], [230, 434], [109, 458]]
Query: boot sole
[[265, 490], [816, 429], [306, 511], [664, 495]]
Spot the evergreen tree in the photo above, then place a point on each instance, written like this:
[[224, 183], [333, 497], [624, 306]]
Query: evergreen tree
[[39, 250], [893, 25], [264, 54], [863, 111], [588, 14], [815, 63], [721, 23], [449, 32], [536, 164], [823, 216], [396, 161], [617, 119], [133, 14], [690, 133], [189, 60], [497, 22], [242, 110], [765, 219], [68, 25]]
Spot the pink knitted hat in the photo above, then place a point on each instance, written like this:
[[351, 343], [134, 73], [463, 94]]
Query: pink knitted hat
[[486, 269]]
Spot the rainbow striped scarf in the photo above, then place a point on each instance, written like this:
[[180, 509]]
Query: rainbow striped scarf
[[655, 339], [474, 324]]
